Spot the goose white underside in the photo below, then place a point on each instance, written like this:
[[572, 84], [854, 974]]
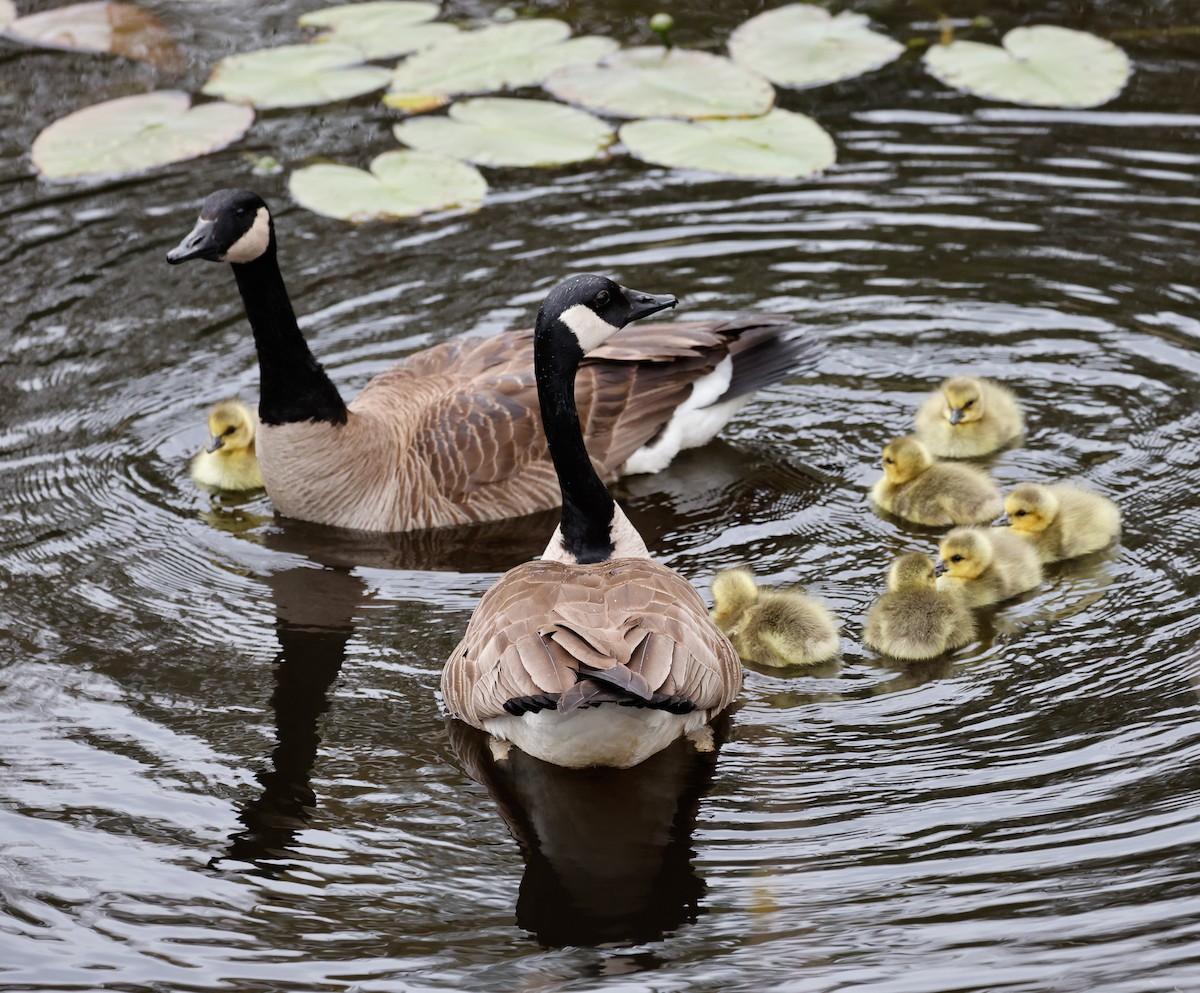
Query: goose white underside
[[607, 735]]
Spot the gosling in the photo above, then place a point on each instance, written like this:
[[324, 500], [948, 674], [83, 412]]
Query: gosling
[[966, 417], [229, 461], [1062, 521], [920, 489], [914, 619], [770, 627], [987, 565]]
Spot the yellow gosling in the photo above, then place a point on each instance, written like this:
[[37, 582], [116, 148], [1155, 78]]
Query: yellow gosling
[[1062, 521], [229, 461], [914, 619], [987, 565], [966, 417], [921, 489], [772, 627]]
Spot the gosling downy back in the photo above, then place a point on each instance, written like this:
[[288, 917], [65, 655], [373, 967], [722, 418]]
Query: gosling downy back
[[914, 619], [967, 417], [773, 627], [1062, 521], [229, 461], [987, 565], [923, 490]]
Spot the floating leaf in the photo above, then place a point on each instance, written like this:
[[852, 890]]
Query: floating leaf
[[503, 56], [294, 76], [113, 28], [136, 133], [779, 144], [652, 82], [801, 45], [1041, 66], [381, 29], [400, 184], [497, 131]]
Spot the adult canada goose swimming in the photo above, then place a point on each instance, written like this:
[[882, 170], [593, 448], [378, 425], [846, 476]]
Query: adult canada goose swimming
[[594, 654], [919, 488], [1062, 521], [228, 461], [914, 619], [772, 627], [966, 417], [450, 435]]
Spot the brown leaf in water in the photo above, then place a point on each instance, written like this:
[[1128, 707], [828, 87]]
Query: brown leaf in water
[[114, 28]]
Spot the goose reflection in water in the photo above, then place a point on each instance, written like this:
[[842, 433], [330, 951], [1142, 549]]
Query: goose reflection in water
[[607, 851]]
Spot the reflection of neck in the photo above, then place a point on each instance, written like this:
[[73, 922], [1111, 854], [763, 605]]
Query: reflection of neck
[[293, 387], [587, 506]]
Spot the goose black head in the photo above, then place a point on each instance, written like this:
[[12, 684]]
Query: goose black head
[[593, 308], [234, 226]]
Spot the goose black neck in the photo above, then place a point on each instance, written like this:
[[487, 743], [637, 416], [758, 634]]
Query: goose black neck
[[293, 386], [587, 506]]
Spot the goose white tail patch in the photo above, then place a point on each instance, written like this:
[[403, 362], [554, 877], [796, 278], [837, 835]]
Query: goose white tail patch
[[589, 328], [254, 242]]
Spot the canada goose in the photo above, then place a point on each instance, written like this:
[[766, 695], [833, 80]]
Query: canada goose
[[987, 565], [772, 627], [920, 489], [965, 417], [1062, 521], [228, 461], [450, 435], [914, 619], [593, 654]]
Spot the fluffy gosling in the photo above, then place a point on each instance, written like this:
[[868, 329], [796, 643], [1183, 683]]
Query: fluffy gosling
[[966, 417], [920, 489], [229, 461], [914, 619], [987, 565], [1062, 521], [770, 627]]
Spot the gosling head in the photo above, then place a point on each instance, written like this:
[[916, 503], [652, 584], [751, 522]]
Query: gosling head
[[1031, 508], [733, 591], [234, 226], [904, 459], [591, 309], [966, 552], [232, 426], [912, 571], [962, 400]]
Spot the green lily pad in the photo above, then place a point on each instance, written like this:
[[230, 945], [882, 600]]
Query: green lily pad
[[1041, 66], [294, 76], [113, 28], [400, 184], [802, 45], [136, 133], [499, 131], [654, 82], [381, 29], [780, 144], [502, 56]]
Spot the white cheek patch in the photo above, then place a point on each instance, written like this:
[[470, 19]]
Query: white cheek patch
[[254, 242], [591, 329]]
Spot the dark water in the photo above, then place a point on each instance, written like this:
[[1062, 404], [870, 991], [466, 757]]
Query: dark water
[[222, 764]]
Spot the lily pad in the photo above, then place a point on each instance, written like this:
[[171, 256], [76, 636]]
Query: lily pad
[[502, 56], [295, 76], [499, 131], [780, 144], [1040, 66], [8, 13], [654, 82], [802, 45], [400, 184], [113, 28], [381, 29], [136, 133]]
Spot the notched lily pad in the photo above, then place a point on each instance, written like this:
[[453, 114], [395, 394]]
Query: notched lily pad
[[802, 45], [399, 184], [137, 133], [499, 131], [294, 76], [114, 28], [780, 144], [380, 29], [654, 82], [499, 57], [1039, 66]]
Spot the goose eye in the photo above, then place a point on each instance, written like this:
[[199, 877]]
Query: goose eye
[[602, 298], [956, 558], [889, 461], [1022, 513], [229, 430], [969, 403]]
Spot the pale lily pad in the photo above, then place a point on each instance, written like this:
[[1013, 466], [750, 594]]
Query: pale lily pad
[[502, 56], [802, 45], [499, 131], [381, 29], [400, 184], [295, 76], [654, 82], [780, 144], [1041, 66], [136, 133], [113, 28], [8, 13]]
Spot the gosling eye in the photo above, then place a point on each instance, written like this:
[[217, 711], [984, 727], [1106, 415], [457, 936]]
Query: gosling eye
[[889, 461], [1021, 513], [602, 298], [956, 558], [229, 430], [969, 403]]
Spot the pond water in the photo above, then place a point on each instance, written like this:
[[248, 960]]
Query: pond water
[[222, 762]]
